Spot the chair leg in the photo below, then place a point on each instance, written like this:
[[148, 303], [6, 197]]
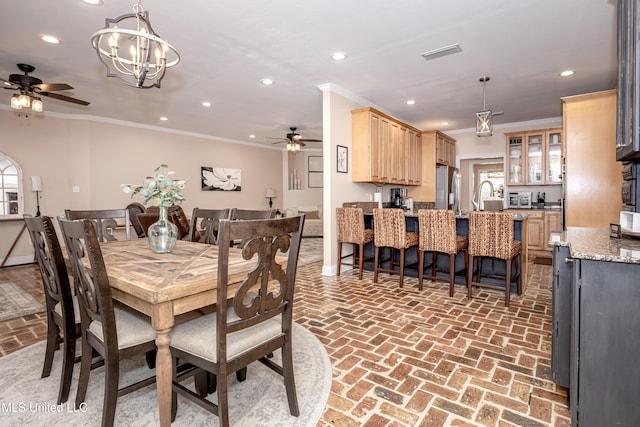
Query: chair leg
[[519, 272], [111, 380], [434, 257], [289, 380], [469, 277], [53, 333], [85, 369], [361, 261], [452, 272], [150, 357], [508, 283], [466, 267], [68, 360], [174, 395], [375, 267], [420, 268], [339, 258], [478, 272], [223, 399], [241, 374], [401, 266], [201, 384]]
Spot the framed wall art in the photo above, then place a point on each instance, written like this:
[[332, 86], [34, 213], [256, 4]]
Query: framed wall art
[[314, 164], [221, 179], [342, 163]]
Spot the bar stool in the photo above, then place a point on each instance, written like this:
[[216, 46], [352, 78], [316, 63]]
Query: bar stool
[[350, 222], [390, 231], [438, 235], [491, 235]]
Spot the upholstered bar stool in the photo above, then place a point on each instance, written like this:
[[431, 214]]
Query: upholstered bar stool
[[491, 235], [438, 235], [350, 222], [390, 232]]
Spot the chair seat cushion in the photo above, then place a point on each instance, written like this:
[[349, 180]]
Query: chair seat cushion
[[461, 243], [76, 309], [132, 328], [198, 336], [368, 235], [412, 239]]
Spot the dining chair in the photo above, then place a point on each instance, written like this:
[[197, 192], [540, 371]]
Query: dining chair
[[105, 220], [491, 235], [244, 214], [205, 224], [437, 230], [350, 225], [106, 328], [63, 317], [389, 231], [251, 320], [134, 209]]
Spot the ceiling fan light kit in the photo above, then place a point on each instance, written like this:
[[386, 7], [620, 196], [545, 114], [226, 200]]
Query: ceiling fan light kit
[[132, 51], [295, 141]]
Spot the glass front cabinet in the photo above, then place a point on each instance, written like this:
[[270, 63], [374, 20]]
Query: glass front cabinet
[[535, 157]]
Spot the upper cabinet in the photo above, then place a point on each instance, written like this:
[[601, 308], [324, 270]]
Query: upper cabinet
[[385, 150], [445, 150], [628, 101], [534, 157]]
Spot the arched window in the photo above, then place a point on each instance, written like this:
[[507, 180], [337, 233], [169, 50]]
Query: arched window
[[11, 200]]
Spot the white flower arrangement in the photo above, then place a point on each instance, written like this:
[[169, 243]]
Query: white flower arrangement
[[159, 189]]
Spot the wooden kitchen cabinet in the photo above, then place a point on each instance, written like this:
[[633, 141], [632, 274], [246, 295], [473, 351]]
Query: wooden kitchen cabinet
[[384, 149], [445, 149], [534, 157], [552, 222], [425, 190]]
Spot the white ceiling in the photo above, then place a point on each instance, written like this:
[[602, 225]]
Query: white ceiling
[[227, 47]]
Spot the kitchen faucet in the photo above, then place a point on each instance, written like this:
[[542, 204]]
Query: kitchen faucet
[[477, 197]]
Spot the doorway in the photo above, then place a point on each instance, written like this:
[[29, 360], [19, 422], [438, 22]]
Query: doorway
[[476, 170]]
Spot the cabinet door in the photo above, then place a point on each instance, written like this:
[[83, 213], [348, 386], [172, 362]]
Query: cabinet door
[[536, 233], [552, 222], [535, 159], [516, 159], [383, 152], [451, 153], [414, 158], [554, 157]]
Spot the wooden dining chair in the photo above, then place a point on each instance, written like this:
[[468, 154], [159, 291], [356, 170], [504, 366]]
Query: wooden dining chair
[[105, 328], [134, 209], [63, 317], [491, 235], [205, 224], [438, 235], [177, 216], [390, 231], [105, 220], [244, 214], [350, 225], [250, 321]]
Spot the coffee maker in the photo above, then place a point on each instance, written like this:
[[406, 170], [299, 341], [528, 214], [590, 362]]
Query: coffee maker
[[398, 197]]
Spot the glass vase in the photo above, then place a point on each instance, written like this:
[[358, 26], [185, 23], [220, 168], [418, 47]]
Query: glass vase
[[162, 234]]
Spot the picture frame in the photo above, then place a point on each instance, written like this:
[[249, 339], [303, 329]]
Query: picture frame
[[342, 159], [314, 163], [315, 179], [220, 179]]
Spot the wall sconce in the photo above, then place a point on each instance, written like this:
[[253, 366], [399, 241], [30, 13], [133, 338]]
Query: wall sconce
[[270, 194]]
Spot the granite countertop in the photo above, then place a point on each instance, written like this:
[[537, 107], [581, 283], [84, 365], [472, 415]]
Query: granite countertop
[[464, 215], [595, 244]]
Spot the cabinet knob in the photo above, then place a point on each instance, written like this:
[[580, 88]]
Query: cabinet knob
[[568, 260]]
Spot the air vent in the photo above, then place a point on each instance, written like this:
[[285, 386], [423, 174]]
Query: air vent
[[440, 52]]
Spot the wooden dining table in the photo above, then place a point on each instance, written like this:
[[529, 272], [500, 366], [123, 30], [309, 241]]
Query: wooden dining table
[[163, 286]]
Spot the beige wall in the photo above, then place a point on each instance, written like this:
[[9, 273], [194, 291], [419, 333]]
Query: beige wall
[[98, 157]]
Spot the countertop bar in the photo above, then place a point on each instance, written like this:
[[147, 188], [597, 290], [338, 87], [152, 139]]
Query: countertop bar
[[595, 244]]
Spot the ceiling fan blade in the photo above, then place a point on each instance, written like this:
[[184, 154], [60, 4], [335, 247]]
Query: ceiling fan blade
[[309, 140], [279, 142], [52, 87], [8, 85], [63, 98]]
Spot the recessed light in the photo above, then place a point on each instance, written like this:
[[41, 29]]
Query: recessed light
[[567, 73], [206, 104], [411, 102], [444, 124], [164, 119], [50, 39], [92, 2], [267, 81], [339, 56], [252, 136]]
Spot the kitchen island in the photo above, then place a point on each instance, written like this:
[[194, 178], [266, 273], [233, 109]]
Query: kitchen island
[[489, 266], [596, 325]]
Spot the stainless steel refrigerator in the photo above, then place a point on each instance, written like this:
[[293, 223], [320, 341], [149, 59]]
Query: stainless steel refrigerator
[[448, 188]]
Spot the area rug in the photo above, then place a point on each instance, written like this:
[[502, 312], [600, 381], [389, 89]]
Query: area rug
[[258, 401], [16, 302], [311, 250]]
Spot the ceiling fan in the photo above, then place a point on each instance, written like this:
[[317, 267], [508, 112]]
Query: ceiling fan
[[31, 88], [294, 140]]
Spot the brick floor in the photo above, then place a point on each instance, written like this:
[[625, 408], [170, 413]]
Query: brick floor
[[402, 357]]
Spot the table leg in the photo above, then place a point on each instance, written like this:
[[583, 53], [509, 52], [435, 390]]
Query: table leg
[[162, 323]]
